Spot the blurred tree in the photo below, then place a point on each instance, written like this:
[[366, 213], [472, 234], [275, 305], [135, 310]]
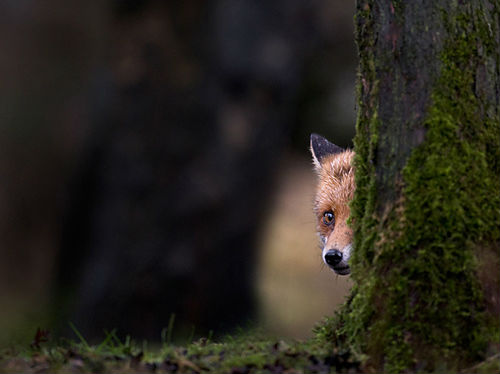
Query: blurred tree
[[190, 120], [427, 209], [146, 132]]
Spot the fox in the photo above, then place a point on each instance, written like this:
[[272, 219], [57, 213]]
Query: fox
[[334, 191]]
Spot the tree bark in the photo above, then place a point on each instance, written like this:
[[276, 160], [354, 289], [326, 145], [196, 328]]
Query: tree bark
[[426, 214]]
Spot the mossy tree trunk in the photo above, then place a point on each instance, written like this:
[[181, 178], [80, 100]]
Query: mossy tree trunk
[[426, 214]]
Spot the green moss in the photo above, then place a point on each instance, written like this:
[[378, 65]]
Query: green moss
[[417, 300], [248, 352]]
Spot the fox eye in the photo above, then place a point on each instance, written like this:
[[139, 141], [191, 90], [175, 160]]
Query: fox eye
[[328, 218]]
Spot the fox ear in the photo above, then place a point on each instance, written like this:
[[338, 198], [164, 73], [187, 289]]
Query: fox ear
[[320, 148]]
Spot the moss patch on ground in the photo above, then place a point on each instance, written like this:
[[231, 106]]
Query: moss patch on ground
[[244, 353]]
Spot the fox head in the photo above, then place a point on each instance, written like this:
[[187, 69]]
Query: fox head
[[335, 190]]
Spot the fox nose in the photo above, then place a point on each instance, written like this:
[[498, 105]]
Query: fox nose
[[333, 257]]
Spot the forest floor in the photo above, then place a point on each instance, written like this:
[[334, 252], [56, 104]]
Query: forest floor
[[237, 354], [245, 353]]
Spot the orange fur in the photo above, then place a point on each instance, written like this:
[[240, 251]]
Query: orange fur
[[334, 192]]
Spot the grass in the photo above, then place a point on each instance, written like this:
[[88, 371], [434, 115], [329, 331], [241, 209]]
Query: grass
[[245, 352]]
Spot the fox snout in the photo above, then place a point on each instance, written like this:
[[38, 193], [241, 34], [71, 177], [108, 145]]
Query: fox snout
[[337, 245], [338, 260]]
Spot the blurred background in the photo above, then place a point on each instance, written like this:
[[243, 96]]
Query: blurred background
[[154, 161]]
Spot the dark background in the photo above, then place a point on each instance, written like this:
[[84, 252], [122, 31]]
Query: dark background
[[139, 149]]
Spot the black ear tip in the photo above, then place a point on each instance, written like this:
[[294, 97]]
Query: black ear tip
[[321, 147], [315, 137], [316, 140]]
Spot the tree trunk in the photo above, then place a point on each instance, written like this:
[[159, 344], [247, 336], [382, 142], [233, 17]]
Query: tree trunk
[[426, 215]]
